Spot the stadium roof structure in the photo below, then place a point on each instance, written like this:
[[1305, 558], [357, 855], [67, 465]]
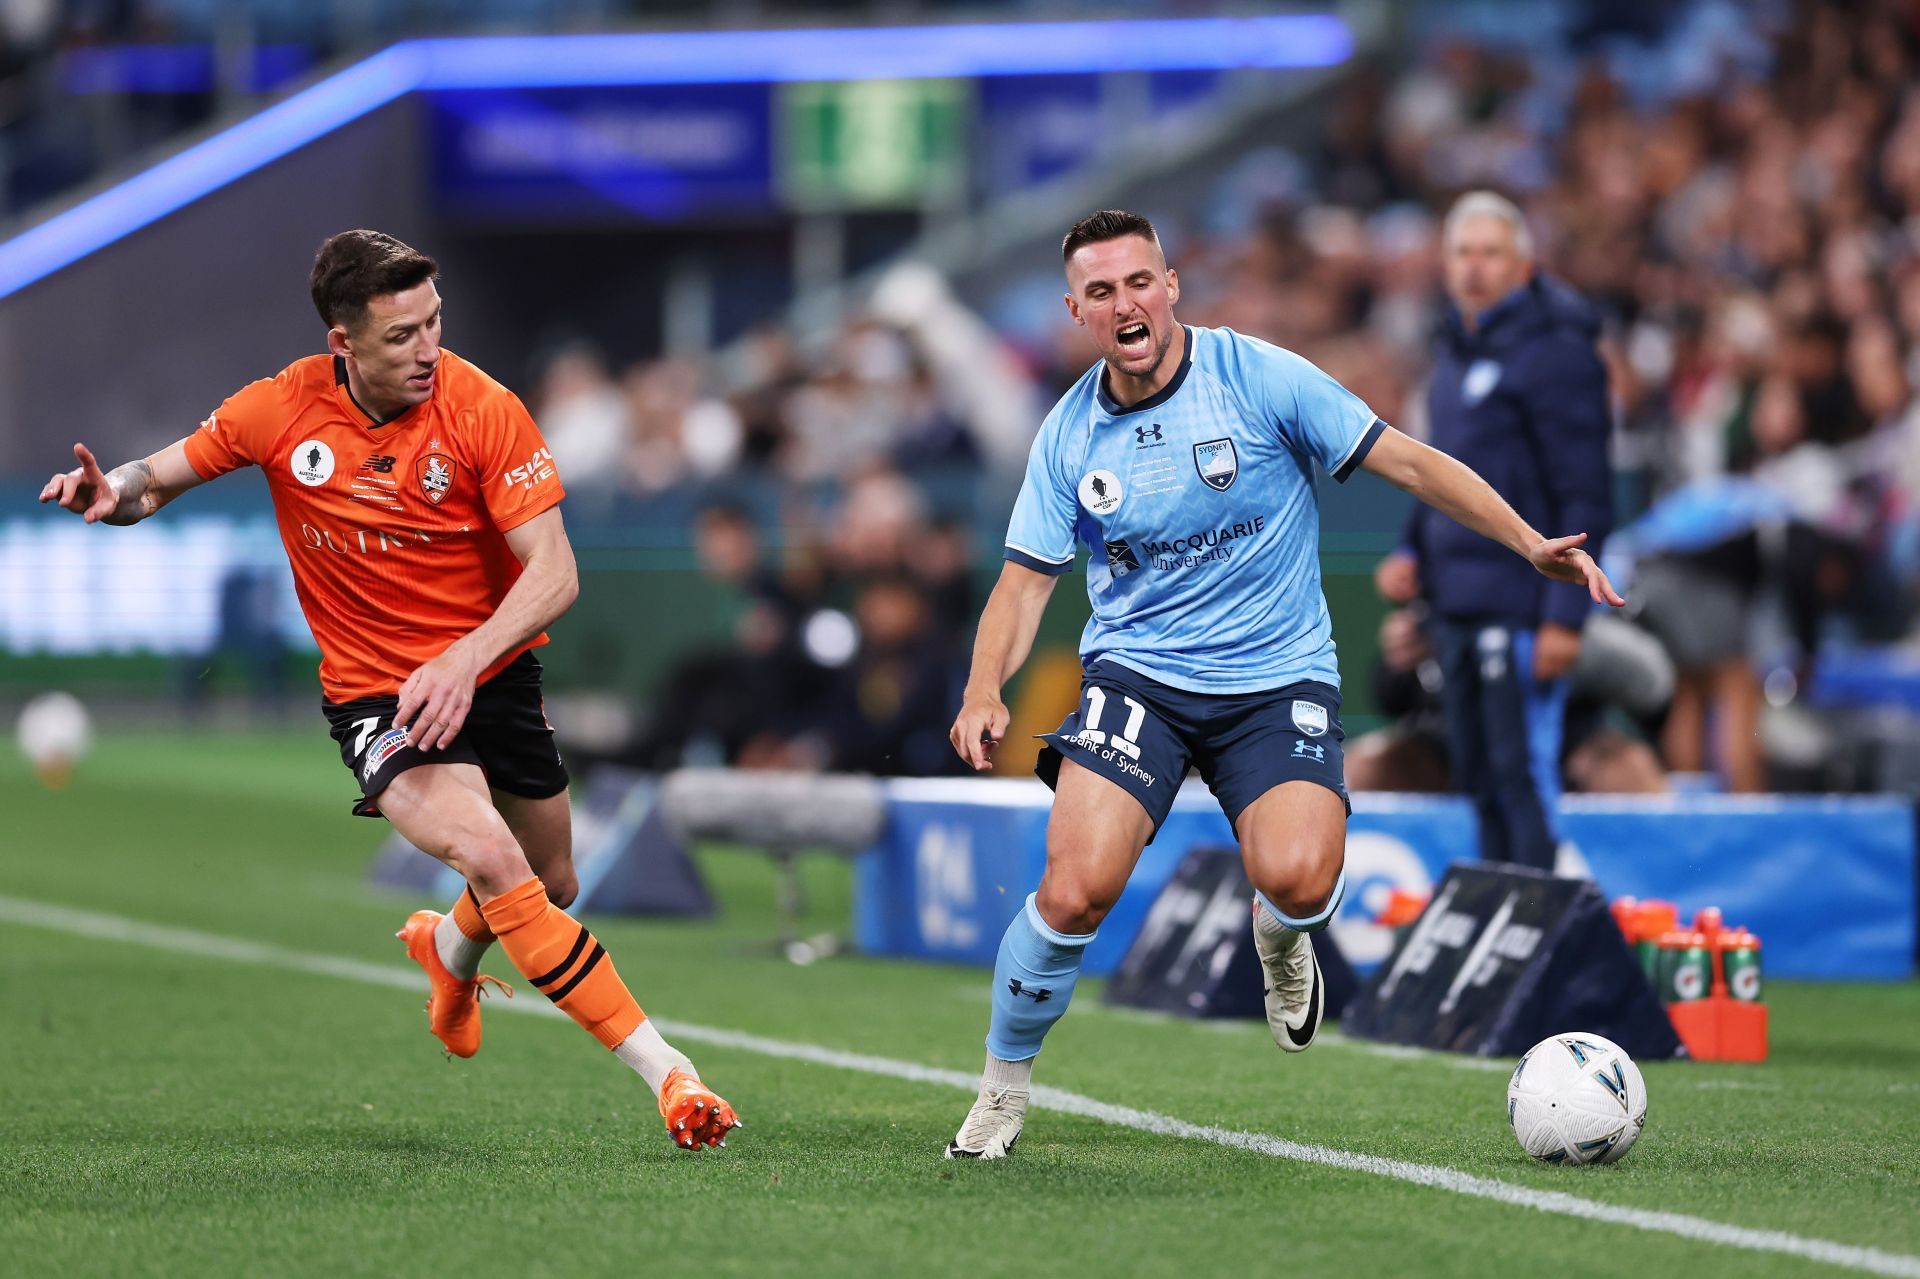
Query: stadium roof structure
[[1281, 41]]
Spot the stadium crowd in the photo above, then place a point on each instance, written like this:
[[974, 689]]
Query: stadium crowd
[[1743, 207]]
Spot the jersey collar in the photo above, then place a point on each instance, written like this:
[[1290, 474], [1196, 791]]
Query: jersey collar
[[345, 388], [1113, 408]]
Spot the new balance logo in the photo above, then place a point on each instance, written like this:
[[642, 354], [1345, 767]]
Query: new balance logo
[[1148, 435], [379, 463], [1038, 996]]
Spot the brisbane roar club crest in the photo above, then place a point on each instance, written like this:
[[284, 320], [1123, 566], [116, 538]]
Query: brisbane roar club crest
[[436, 476], [1217, 463]]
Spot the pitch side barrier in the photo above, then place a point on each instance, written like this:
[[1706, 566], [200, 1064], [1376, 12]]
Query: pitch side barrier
[[942, 865], [1829, 882]]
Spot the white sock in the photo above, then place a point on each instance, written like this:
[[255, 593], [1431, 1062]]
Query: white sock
[[459, 952], [652, 1056], [1268, 925], [1017, 1075]]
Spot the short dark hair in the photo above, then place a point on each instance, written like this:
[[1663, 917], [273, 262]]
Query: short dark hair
[[355, 267], [1107, 224]]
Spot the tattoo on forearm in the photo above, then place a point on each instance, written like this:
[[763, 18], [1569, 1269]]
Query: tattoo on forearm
[[134, 483]]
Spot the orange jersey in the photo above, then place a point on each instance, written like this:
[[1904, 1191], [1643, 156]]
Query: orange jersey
[[394, 530]]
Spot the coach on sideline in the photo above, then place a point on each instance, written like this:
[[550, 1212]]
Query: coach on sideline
[[1519, 394]]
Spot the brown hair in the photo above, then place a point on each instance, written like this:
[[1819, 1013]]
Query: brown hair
[[355, 267], [1107, 224]]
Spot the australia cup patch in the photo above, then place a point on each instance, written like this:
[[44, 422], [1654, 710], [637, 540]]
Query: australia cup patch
[[1309, 717], [312, 462], [1217, 463], [436, 476], [382, 750], [1100, 492]]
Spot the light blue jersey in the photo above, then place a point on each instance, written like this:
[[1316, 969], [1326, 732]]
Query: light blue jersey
[[1198, 507]]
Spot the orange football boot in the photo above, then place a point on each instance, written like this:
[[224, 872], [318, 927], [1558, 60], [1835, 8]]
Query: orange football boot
[[696, 1116], [453, 1007]]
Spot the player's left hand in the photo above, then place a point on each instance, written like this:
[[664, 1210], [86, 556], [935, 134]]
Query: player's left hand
[[435, 700], [1562, 559]]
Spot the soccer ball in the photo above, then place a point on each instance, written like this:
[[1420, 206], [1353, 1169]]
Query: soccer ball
[[54, 734], [1576, 1099]]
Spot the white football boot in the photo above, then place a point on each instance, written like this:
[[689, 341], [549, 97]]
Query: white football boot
[[1295, 993], [992, 1126]]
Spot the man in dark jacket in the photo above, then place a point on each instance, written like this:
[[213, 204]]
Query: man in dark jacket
[[1520, 395]]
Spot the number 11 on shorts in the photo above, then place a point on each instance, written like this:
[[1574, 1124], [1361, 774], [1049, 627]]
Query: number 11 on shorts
[[1126, 741]]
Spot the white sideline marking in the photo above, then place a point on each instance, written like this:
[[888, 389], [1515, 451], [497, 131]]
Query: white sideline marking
[[118, 928]]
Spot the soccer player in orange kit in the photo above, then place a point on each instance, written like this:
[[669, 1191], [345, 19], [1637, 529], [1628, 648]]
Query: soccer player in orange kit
[[419, 507]]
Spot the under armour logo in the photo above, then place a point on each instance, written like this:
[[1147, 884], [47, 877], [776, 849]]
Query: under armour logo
[[1146, 433], [1304, 748], [1037, 996]]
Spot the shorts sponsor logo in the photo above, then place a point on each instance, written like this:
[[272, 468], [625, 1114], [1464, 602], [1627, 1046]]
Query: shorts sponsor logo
[[1121, 559], [436, 476], [312, 462], [1100, 492], [382, 750], [1309, 717], [1217, 463]]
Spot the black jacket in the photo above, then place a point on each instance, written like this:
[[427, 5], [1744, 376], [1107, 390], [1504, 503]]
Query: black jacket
[[1523, 401]]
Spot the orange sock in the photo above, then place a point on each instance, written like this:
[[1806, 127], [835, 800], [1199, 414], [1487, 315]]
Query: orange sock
[[563, 961], [468, 919]]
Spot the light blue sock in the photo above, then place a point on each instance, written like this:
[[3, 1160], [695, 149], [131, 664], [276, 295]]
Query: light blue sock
[[1033, 979], [1319, 919]]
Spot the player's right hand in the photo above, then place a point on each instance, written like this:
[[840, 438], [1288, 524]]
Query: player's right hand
[[982, 722], [1397, 578], [83, 490]]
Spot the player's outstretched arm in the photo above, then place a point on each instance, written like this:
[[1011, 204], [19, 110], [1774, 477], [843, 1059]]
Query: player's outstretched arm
[[1452, 488], [1007, 627], [435, 699], [127, 494]]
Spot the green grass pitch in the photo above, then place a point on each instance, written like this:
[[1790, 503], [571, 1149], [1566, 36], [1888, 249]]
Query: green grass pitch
[[192, 1114]]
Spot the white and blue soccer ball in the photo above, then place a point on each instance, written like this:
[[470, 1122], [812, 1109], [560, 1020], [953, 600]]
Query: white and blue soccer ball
[[1576, 1098], [55, 733]]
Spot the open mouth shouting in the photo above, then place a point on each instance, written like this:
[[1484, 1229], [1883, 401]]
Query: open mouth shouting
[[1134, 339]]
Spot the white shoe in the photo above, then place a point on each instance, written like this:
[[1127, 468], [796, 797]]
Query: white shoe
[[1295, 993], [992, 1126]]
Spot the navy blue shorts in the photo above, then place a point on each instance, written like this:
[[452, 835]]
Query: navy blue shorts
[[1142, 735]]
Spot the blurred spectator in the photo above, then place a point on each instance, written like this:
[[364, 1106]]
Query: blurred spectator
[[1519, 394]]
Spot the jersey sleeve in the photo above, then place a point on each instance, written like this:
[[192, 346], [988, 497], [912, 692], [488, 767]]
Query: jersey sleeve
[[237, 433], [517, 477], [1040, 535], [1316, 416]]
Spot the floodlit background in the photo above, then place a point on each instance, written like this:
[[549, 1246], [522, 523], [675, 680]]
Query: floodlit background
[[790, 323]]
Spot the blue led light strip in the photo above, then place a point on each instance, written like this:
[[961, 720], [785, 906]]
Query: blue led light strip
[[531, 62]]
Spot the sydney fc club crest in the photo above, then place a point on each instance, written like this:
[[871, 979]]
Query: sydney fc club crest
[[1309, 717], [1217, 463], [436, 476]]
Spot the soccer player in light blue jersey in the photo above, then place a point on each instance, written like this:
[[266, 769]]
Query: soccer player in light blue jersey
[[1184, 462]]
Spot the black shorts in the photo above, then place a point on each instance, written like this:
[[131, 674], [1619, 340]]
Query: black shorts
[[1141, 735], [506, 733]]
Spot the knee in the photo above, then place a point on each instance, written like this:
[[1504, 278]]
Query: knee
[[1072, 907], [492, 861], [562, 887], [1302, 884]]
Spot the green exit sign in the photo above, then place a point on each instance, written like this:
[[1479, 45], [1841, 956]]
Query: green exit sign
[[873, 143]]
